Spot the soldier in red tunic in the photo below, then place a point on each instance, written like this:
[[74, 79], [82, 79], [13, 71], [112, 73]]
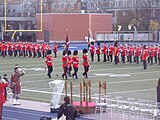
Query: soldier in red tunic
[[144, 56], [86, 63], [137, 53], [123, 53], [75, 61], [69, 63], [15, 84], [3, 85], [55, 49], [98, 51], [49, 63], [104, 52], [116, 53], [92, 51], [64, 65]]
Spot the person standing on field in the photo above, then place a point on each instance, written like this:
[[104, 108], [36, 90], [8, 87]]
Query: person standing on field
[[144, 56], [15, 84], [49, 63], [3, 85]]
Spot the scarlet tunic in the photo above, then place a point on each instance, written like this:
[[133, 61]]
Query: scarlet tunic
[[49, 61], [151, 52], [2, 92], [98, 50], [75, 60], [104, 49], [130, 51], [69, 61], [124, 50], [138, 51], [64, 61], [55, 48], [144, 54], [159, 53], [85, 60], [92, 49], [116, 51]]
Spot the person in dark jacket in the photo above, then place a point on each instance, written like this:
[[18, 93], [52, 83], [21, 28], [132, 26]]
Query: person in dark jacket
[[67, 109]]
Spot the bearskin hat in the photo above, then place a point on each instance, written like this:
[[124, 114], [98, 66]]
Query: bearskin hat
[[98, 44], [49, 52], [144, 46], [64, 52], [116, 44], [85, 51], [69, 52], [75, 52], [92, 43]]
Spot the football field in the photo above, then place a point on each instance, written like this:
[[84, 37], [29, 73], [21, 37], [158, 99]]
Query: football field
[[127, 80]]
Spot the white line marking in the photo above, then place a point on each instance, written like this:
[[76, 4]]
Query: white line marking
[[8, 118], [131, 91], [29, 113], [141, 90]]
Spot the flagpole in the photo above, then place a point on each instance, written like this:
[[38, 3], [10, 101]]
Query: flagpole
[[88, 38]]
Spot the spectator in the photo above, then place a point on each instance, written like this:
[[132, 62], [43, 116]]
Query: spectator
[[67, 109], [3, 85]]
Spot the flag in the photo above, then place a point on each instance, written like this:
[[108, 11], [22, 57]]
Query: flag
[[67, 41]]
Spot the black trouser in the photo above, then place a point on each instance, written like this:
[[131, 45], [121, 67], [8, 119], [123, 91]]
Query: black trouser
[[151, 59], [137, 59], [34, 54], [39, 54], [55, 54], [86, 69], [116, 59], [24, 53], [134, 58], [145, 64], [111, 57], [92, 56], [98, 56], [19, 52], [3, 53], [15, 53], [75, 73], [159, 60], [69, 70], [43, 54], [65, 73], [108, 57], [155, 57], [123, 58], [130, 58], [104, 57], [50, 69], [30, 54]]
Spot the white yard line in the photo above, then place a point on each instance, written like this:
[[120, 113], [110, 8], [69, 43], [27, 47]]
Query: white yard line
[[8, 118], [129, 91], [29, 113]]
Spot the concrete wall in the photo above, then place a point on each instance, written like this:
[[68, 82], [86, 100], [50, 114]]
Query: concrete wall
[[76, 24]]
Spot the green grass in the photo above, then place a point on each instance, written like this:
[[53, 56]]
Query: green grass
[[140, 84]]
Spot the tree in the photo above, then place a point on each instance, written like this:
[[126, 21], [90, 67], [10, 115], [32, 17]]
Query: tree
[[154, 25]]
